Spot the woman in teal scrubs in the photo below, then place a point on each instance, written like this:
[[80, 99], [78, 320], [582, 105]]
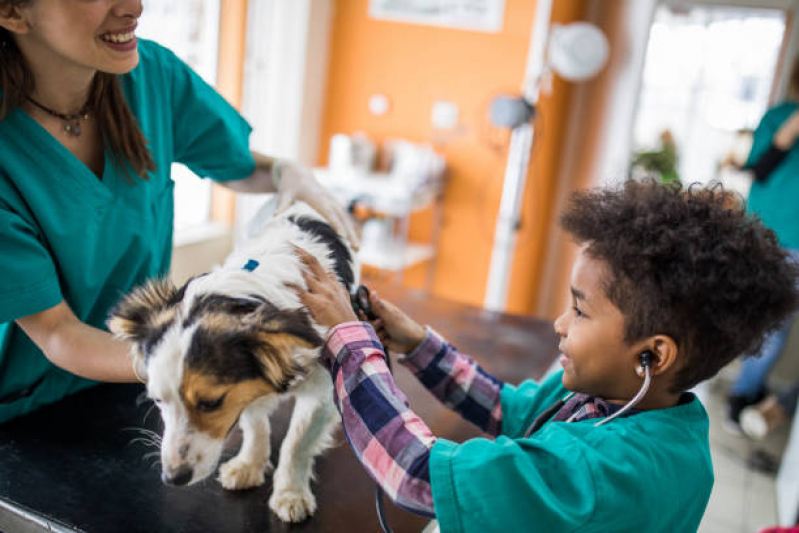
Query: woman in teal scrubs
[[774, 164], [91, 120]]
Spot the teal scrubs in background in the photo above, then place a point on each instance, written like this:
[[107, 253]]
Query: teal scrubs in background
[[65, 234], [776, 200], [648, 472]]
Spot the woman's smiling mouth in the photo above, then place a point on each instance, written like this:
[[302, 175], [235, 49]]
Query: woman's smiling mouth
[[121, 40]]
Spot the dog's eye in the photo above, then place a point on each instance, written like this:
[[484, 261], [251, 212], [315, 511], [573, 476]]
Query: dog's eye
[[210, 405]]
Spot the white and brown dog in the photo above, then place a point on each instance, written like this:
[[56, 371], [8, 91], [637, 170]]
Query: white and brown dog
[[228, 347]]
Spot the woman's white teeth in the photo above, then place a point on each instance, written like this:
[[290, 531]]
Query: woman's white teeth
[[119, 37]]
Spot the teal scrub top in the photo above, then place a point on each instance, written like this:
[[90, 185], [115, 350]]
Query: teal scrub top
[[65, 234], [776, 200], [648, 472]]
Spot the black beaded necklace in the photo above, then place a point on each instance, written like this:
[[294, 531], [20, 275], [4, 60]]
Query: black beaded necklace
[[71, 122]]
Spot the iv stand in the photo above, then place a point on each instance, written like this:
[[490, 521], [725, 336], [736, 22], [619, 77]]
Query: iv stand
[[517, 167]]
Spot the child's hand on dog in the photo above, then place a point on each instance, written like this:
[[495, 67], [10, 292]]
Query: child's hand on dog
[[326, 298], [397, 331], [328, 301]]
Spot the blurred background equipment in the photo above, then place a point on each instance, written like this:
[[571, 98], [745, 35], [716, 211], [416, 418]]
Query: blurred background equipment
[[383, 199], [576, 52]]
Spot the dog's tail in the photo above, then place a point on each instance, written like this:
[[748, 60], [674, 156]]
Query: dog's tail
[[261, 218]]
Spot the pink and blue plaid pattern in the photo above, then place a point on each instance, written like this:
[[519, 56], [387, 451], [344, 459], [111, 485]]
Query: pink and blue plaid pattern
[[391, 441], [459, 382], [583, 407]]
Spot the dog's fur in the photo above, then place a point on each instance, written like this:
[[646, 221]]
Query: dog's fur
[[229, 346]]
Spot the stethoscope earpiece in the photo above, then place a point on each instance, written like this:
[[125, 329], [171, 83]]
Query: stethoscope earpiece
[[646, 357], [642, 370]]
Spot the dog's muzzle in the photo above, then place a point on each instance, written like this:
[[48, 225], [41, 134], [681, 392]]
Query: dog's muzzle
[[180, 477]]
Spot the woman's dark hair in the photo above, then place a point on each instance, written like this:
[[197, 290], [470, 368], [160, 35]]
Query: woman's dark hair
[[793, 80], [118, 126], [690, 264]]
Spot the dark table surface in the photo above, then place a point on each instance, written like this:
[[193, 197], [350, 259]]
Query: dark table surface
[[81, 463]]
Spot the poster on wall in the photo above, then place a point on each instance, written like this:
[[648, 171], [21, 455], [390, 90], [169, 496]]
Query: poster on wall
[[478, 15]]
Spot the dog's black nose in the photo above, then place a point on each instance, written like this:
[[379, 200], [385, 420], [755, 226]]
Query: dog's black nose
[[181, 477]]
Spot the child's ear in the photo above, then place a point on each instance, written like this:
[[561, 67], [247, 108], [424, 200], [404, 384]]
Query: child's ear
[[663, 352], [13, 19]]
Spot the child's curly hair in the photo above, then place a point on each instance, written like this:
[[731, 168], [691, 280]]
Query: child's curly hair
[[690, 264]]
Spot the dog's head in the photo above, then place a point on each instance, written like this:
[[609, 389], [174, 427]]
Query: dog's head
[[206, 356]]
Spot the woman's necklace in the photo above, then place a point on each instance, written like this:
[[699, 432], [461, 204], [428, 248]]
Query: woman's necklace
[[71, 122]]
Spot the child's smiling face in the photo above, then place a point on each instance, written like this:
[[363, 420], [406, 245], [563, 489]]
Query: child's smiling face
[[596, 359]]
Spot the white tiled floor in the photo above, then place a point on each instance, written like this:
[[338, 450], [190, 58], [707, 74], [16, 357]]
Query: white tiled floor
[[743, 499]]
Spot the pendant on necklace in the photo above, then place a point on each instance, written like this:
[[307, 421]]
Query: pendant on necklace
[[73, 128], [71, 122]]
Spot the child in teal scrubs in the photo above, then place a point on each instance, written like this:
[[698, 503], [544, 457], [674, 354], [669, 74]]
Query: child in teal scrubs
[[669, 285], [91, 120]]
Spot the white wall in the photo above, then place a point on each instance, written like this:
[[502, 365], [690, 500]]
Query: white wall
[[285, 75]]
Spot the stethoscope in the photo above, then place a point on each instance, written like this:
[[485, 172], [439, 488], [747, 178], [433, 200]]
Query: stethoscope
[[360, 302], [540, 420]]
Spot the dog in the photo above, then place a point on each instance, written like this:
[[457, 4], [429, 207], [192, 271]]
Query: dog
[[227, 347]]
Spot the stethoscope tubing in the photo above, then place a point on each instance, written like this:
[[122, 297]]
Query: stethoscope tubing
[[361, 302], [552, 410]]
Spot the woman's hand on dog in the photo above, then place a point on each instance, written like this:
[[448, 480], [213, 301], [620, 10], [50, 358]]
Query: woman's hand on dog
[[326, 298], [297, 183]]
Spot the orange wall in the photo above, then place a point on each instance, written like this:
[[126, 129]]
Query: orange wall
[[414, 65]]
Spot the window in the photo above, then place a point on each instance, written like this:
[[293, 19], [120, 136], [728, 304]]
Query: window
[[708, 74], [190, 28]]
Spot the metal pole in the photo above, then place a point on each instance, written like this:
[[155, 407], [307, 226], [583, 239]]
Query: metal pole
[[516, 168]]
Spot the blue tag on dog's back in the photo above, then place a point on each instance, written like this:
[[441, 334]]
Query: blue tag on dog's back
[[251, 265]]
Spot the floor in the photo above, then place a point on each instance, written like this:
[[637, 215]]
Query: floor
[[743, 499]]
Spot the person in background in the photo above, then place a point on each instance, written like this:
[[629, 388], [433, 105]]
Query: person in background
[[774, 197], [651, 315], [91, 120], [759, 420]]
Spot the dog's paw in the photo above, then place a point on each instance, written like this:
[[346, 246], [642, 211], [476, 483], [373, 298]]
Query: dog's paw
[[237, 475], [293, 505]]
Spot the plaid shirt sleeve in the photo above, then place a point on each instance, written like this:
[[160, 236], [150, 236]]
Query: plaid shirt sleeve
[[458, 381], [389, 439]]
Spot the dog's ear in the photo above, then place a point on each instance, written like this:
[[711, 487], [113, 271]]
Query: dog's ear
[[143, 316], [287, 345], [136, 314]]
